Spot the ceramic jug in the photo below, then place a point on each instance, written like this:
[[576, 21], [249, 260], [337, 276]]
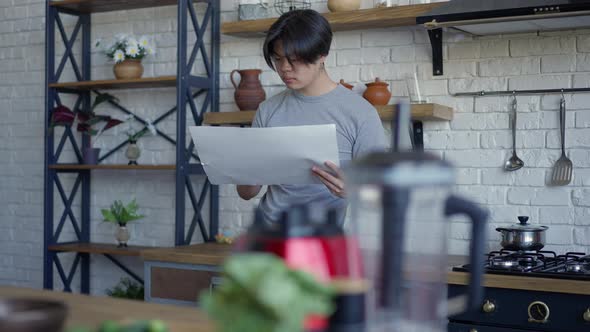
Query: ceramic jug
[[377, 92], [249, 93]]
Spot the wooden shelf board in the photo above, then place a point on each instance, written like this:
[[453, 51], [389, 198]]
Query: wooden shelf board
[[112, 166], [204, 253], [229, 118], [99, 248], [372, 18], [96, 6], [147, 82], [422, 112]]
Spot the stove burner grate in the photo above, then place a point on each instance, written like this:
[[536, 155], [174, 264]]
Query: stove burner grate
[[572, 265]]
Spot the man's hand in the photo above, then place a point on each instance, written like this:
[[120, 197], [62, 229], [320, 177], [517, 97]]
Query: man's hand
[[333, 181], [248, 192]]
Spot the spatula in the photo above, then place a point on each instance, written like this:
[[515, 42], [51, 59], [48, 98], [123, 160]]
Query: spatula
[[562, 170]]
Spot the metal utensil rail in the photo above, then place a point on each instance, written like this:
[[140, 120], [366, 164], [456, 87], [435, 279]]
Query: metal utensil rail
[[519, 92]]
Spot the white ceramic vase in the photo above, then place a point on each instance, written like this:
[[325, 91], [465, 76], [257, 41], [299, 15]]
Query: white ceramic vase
[[133, 152], [122, 235]]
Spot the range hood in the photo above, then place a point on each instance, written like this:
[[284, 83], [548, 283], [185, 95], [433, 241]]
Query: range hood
[[490, 17]]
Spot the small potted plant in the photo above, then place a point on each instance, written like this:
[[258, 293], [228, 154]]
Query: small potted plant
[[127, 51], [127, 289], [88, 122], [121, 215], [133, 152]]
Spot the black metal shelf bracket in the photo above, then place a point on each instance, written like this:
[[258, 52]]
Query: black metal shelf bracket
[[436, 40], [418, 132]]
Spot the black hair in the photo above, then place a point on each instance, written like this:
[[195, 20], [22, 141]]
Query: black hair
[[306, 35]]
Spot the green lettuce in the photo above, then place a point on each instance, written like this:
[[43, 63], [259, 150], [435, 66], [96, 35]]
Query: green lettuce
[[260, 293]]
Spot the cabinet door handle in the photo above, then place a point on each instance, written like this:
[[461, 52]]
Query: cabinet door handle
[[214, 282], [488, 307]]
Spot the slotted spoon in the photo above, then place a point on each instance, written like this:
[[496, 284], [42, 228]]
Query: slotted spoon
[[562, 170]]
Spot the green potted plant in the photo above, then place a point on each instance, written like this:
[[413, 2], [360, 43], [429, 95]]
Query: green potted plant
[[127, 289], [121, 215]]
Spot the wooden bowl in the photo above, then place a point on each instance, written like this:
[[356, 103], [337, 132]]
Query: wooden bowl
[[32, 315]]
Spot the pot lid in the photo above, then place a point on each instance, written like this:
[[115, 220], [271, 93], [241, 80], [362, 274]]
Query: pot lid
[[523, 226], [378, 82]]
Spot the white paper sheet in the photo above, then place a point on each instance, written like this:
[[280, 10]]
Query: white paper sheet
[[262, 156]]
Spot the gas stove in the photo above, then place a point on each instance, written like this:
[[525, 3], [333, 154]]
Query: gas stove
[[548, 264], [542, 307]]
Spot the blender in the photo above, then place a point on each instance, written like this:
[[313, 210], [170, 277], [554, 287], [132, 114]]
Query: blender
[[399, 205]]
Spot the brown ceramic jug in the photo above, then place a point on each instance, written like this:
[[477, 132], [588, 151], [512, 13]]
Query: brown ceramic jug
[[377, 92], [249, 93], [346, 85]]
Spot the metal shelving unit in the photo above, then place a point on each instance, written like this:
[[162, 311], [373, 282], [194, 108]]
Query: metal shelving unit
[[188, 88]]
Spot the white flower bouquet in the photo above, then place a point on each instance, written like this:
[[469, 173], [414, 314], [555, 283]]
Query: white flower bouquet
[[124, 47]]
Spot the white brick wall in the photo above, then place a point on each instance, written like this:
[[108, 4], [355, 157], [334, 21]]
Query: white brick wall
[[477, 141]]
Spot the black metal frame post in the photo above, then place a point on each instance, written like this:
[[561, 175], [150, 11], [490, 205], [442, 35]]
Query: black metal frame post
[[49, 174], [181, 88], [185, 83], [85, 206], [215, 56]]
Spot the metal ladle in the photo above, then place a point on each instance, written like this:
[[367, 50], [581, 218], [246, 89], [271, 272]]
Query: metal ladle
[[514, 163]]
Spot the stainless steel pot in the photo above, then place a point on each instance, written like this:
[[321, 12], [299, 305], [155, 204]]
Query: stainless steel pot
[[523, 236]]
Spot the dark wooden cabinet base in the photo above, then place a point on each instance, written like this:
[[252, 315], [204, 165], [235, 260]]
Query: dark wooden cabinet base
[[174, 283]]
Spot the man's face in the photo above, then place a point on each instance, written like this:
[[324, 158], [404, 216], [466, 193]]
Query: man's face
[[296, 75]]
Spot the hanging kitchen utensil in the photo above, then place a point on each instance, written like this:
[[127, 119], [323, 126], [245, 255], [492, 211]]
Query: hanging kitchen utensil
[[562, 170], [514, 163]]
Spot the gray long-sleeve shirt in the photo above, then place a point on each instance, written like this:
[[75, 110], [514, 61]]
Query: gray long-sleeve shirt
[[358, 129]]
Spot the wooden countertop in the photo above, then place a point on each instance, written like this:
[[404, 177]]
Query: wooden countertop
[[526, 283], [201, 254], [90, 311], [214, 254]]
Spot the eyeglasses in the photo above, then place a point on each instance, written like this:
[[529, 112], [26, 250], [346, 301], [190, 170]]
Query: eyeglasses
[[279, 60]]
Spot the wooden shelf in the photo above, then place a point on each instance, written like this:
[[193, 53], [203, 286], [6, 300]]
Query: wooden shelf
[[202, 254], [113, 166], [373, 18], [140, 83], [96, 6], [99, 248], [420, 112]]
